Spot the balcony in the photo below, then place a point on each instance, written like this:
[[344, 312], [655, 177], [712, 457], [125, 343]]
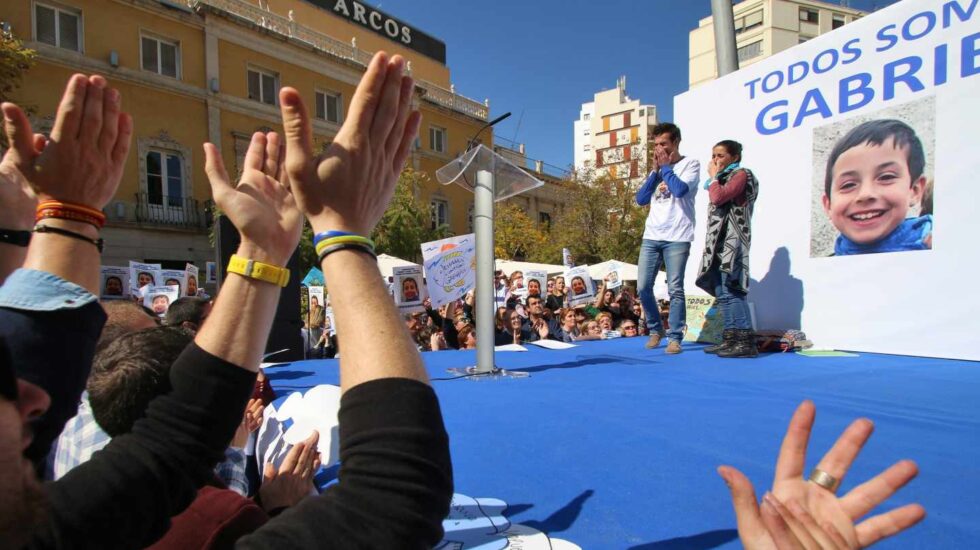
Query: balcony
[[175, 212], [288, 28]]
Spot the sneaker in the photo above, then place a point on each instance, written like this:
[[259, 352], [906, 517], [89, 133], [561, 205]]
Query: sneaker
[[673, 347], [654, 340]]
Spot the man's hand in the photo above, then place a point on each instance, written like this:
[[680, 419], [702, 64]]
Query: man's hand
[[349, 187], [294, 479], [801, 514], [261, 206], [542, 327], [17, 199], [661, 158], [83, 161]]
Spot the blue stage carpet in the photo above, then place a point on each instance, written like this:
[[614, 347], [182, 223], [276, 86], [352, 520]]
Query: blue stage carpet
[[610, 445]]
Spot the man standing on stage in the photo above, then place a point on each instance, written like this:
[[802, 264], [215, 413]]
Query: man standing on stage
[[669, 190]]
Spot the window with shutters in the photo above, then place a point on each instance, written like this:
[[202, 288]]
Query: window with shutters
[[263, 86], [161, 56], [58, 26]]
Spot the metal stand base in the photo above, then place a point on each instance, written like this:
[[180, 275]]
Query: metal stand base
[[472, 373]]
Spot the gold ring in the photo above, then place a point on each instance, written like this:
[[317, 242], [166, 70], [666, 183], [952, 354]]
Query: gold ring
[[824, 480]]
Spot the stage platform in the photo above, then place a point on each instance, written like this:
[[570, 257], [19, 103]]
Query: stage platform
[[610, 445]]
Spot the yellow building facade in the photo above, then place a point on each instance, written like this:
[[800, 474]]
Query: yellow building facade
[[209, 70]]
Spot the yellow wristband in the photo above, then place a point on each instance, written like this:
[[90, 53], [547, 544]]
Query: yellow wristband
[[258, 270]]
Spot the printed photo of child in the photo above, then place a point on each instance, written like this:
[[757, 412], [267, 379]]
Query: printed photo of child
[[874, 192]]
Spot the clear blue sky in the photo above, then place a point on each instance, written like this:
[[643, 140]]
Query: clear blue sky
[[543, 58]]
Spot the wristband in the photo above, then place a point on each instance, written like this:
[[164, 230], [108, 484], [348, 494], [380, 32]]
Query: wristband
[[15, 237], [99, 243], [356, 239], [65, 210], [257, 270], [326, 251], [328, 234]]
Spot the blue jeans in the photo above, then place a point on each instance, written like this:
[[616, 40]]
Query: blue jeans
[[734, 307], [652, 255]]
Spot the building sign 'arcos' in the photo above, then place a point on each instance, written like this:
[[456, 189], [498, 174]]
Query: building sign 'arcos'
[[387, 26]]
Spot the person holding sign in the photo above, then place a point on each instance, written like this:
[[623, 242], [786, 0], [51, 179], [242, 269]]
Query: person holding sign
[[669, 190], [724, 271]]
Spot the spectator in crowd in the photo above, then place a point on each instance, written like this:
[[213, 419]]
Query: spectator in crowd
[[123, 317], [556, 294], [513, 332], [724, 270], [500, 289], [628, 328], [537, 325], [669, 190], [188, 312], [467, 337], [605, 321], [593, 330]]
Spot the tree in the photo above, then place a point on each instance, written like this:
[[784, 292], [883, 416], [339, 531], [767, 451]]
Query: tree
[[515, 236], [15, 59], [407, 223]]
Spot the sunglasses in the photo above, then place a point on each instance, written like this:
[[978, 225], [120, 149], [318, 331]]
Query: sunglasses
[[629, 327]]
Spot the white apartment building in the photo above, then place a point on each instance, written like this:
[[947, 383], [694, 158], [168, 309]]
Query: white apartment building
[[764, 28], [612, 134]]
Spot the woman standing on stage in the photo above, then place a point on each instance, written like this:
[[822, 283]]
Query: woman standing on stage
[[724, 272]]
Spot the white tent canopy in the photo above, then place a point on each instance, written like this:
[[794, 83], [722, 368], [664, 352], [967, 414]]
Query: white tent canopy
[[627, 272], [386, 264], [510, 266]]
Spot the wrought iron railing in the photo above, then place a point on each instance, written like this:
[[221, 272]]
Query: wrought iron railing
[[178, 212], [285, 26]]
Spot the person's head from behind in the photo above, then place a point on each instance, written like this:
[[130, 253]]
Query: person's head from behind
[[123, 317], [534, 287], [22, 501], [667, 138], [874, 175], [578, 285], [191, 285], [144, 278], [159, 304], [726, 152], [410, 290], [130, 373], [188, 312], [113, 286]]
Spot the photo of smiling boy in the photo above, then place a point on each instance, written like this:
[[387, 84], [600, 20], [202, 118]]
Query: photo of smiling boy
[[874, 176]]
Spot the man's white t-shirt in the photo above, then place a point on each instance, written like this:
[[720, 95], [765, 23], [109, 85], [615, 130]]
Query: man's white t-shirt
[[672, 218]]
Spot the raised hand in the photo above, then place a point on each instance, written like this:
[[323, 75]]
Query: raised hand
[[294, 479], [83, 160], [17, 199], [262, 206], [251, 421], [803, 514], [349, 186]]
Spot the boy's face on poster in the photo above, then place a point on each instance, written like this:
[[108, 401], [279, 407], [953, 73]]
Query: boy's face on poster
[[533, 287], [191, 285], [113, 286], [144, 279], [160, 303], [578, 286], [172, 282], [871, 191], [410, 290]]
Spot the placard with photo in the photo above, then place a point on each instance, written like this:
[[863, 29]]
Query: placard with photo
[[174, 277], [114, 284], [191, 276], [579, 285], [409, 288], [536, 282], [159, 298], [141, 274]]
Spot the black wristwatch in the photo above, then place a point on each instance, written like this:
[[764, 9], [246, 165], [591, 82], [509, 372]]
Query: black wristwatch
[[15, 237]]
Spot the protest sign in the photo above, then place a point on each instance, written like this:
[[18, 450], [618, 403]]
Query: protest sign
[[613, 277], [141, 274], [536, 282], [191, 276], [409, 288], [704, 321], [579, 285], [114, 283], [174, 277], [450, 268], [159, 298]]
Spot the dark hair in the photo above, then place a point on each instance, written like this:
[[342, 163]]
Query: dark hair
[[122, 317], [875, 132], [131, 372], [668, 128], [733, 147], [113, 278], [189, 309]]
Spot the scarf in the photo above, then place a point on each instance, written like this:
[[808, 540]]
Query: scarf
[[909, 235], [730, 168]]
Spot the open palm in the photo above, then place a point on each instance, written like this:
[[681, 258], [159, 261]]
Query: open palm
[[801, 514]]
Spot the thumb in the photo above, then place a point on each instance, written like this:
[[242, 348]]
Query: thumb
[[269, 473], [20, 137], [750, 525], [214, 167], [298, 132]]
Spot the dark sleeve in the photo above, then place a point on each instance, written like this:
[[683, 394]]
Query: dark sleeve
[[554, 331], [395, 479], [645, 192], [53, 350], [127, 493], [450, 333], [720, 194], [434, 315]]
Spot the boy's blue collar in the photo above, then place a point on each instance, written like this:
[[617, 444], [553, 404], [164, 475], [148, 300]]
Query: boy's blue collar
[[909, 235]]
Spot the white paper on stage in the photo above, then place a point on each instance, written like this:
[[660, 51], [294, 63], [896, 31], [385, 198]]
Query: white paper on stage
[[450, 268], [409, 288], [552, 344], [510, 347], [917, 63]]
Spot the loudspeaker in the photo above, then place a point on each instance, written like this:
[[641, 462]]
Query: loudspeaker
[[285, 333]]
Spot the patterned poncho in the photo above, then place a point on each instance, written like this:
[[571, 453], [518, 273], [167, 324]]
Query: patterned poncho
[[729, 237]]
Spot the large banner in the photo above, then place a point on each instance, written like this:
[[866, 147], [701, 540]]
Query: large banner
[[863, 143]]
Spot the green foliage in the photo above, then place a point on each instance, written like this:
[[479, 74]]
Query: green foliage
[[407, 223], [15, 59], [515, 235]]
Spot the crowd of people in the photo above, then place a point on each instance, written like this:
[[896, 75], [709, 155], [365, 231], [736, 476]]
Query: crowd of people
[[117, 432]]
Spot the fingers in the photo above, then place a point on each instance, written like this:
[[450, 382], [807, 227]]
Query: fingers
[[816, 532], [90, 129], [292, 457], [110, 120], [69, 116], [840, 457], [750, 526], [389, 102], [19, 135], [214, 167], [863, 498], [393, 144], [364, 104], [269, 472], [304, 465], [885, 525], [273, 149], [297, 130], [124, 138], [255, 156], [782, 535], [408, 136], [792, 453]]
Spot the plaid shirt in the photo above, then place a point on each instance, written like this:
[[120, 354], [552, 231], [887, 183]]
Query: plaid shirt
[[82, 437]]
